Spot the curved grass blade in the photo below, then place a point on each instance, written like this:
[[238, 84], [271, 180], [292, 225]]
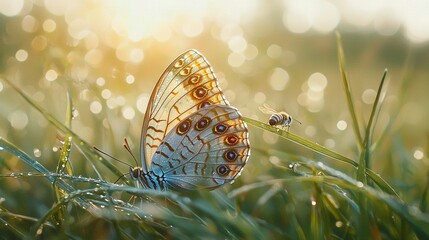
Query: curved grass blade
[[301, 141], [64, 163], [80, 143], [347, 89], [381, 183], [12, 149]]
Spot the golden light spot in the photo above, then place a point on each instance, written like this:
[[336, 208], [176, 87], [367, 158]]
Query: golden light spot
[[49, 25], [21, 55], [51, 75]]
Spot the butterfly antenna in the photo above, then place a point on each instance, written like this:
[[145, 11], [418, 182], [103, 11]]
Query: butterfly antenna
[[112, 157], [127, 147], [123, 175]]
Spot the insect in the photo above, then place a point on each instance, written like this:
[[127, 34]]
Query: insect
[[191, 138], [277, 118]]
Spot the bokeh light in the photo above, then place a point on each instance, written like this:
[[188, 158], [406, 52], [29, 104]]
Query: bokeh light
[[279, 79], [108, 55], [418, 154]]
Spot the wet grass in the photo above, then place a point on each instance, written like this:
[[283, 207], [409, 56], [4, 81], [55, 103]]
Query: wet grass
[[301, 197]]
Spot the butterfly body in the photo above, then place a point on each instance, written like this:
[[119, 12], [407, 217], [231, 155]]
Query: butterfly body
[[191, 137]]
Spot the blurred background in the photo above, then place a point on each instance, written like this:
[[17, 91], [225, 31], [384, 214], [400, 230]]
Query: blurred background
[[109, 55]]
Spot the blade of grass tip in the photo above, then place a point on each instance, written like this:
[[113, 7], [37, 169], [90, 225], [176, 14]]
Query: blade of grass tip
[[321, 150], [365, 217], [64, 163], [376, 117], [406, 82], [366, 153], [347, 89], [80, 143]]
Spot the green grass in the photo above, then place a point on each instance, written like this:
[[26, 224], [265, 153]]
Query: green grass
[[301, 197]]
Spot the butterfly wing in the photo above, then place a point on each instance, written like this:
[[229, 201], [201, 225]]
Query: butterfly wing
[[188, 84], [205, 150]]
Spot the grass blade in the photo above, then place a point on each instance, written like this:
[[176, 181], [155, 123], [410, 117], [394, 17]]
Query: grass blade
[[424, 199], [64, 163], [86, 147], [12, 149], [412, 215], [301, 141], [323, 151], [347, 89], [366, 153]]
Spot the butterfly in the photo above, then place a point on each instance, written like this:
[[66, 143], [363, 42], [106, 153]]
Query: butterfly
[[277, 118], [191, 138]]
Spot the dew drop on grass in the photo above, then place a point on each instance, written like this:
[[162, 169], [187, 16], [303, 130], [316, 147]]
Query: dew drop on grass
[[359, 184], [294, 166], [414, 211], [339, 224], [313, 202], [75, 113], [1, 148], [37, 153]]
